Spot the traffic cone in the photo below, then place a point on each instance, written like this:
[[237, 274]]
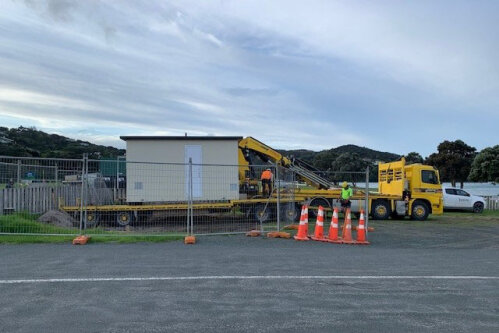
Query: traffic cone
[[319, 226], [347, 229], [303, 227], [333, 229], [361, 231]]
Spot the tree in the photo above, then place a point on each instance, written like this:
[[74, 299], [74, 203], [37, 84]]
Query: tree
[[453, 160], [324, 159], [413, 157], [485, 166], [348, 162]]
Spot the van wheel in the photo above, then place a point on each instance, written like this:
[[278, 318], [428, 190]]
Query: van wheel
[[381, 210], [478, 207], [420, 211]]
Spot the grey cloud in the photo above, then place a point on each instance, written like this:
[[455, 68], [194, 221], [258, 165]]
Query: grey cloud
[[242, 92]]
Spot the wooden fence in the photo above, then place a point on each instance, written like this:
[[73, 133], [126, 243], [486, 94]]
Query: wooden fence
[[492, 202], [40, 199]]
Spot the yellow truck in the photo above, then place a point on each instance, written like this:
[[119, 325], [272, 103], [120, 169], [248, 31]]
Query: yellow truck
[[403, 190]]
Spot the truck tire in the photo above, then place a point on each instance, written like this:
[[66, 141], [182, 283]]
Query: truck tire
[[290, 212], [262, 214], [316, 202], [124, 218], [92, 219], [419, 211], [381, 210]]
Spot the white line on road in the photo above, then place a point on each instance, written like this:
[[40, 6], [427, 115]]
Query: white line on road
[[256, 277]]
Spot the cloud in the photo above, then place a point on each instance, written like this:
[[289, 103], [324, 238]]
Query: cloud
[[386, 76]]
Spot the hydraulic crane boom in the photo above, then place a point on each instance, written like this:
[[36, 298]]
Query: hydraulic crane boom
[[250, 146]]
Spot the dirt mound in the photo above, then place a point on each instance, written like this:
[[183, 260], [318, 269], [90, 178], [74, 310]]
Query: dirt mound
[[58, 218]]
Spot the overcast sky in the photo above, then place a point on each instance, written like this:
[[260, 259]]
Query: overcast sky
[[396, 76]]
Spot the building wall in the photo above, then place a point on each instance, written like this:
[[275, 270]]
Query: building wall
[[165, 178]]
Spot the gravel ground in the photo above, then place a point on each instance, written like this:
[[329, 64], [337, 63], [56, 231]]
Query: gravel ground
[[376, 297]]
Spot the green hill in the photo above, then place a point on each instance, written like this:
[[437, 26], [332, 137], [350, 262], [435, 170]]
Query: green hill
[[30, 142]]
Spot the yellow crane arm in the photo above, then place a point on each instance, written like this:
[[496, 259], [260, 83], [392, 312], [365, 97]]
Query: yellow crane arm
[[262, 149]]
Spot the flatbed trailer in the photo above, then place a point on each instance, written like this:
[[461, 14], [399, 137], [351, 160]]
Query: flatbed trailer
[[258, 209]]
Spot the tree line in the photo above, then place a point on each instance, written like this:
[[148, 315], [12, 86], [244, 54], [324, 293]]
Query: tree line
[[456, 161]]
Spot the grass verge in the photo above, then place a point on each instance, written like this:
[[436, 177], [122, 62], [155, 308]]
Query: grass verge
[[21, 225]]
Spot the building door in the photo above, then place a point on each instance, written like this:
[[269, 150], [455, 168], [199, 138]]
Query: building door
[[194, 152]]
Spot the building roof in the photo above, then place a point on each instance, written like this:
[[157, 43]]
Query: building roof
[[173, 138]]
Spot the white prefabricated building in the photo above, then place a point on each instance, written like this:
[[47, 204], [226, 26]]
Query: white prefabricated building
[[157, 168]]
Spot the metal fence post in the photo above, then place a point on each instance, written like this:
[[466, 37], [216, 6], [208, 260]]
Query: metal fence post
[[367, 202], [191, 198], [18, 172], [82, 192], [85, 202], [278, 196]]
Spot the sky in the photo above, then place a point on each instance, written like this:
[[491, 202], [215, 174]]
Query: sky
[[395, 76]]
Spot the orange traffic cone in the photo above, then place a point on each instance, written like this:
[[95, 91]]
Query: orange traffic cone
[[303, 227], [347, 229], [333, 229], [319, 226], [361, 230]]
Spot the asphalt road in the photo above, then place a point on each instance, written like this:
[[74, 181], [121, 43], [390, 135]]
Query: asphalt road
[[385, 291]]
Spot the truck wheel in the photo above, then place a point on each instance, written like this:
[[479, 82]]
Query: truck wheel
[[124, 218], [290, 212], [381, 210], [420, 211], [262, 213], [478, 207], [316, 202], [92, 219]]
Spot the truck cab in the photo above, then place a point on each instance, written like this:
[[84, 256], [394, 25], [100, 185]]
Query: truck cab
[[417, 185]]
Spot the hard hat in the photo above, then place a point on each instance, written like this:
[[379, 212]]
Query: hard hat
[[268, 169], [344, 184]]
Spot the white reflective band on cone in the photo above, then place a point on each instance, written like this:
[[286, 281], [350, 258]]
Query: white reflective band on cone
[[303, 222], [335, 225], [349, 226], [320, 223], [361, 226]]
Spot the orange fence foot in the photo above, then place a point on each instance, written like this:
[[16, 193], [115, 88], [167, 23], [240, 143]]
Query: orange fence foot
[[291, 227], [253, 233], [81, 240], [190, 240], [278, 234]]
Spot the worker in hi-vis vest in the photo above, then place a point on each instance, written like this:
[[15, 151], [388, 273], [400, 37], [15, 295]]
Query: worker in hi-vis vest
[[346, 194], [266, 179]]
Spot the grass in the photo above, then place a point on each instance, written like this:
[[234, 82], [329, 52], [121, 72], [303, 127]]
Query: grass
[[23, 223]]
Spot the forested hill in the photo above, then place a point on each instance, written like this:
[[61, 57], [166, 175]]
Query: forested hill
[[24, 141], [30, 142], [326, 156]]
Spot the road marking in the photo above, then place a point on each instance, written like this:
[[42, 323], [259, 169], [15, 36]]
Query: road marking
[[255, 277]]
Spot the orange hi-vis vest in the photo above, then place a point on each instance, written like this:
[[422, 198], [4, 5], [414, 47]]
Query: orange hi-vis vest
[[266, 174]]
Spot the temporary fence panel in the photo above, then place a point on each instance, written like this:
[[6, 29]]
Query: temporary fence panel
[[33, 189], [58, 196]]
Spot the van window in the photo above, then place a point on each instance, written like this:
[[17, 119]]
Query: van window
[[429, 177], [450, 191]]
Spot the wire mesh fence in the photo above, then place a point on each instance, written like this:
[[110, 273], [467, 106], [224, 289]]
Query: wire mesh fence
[[119, 197]]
